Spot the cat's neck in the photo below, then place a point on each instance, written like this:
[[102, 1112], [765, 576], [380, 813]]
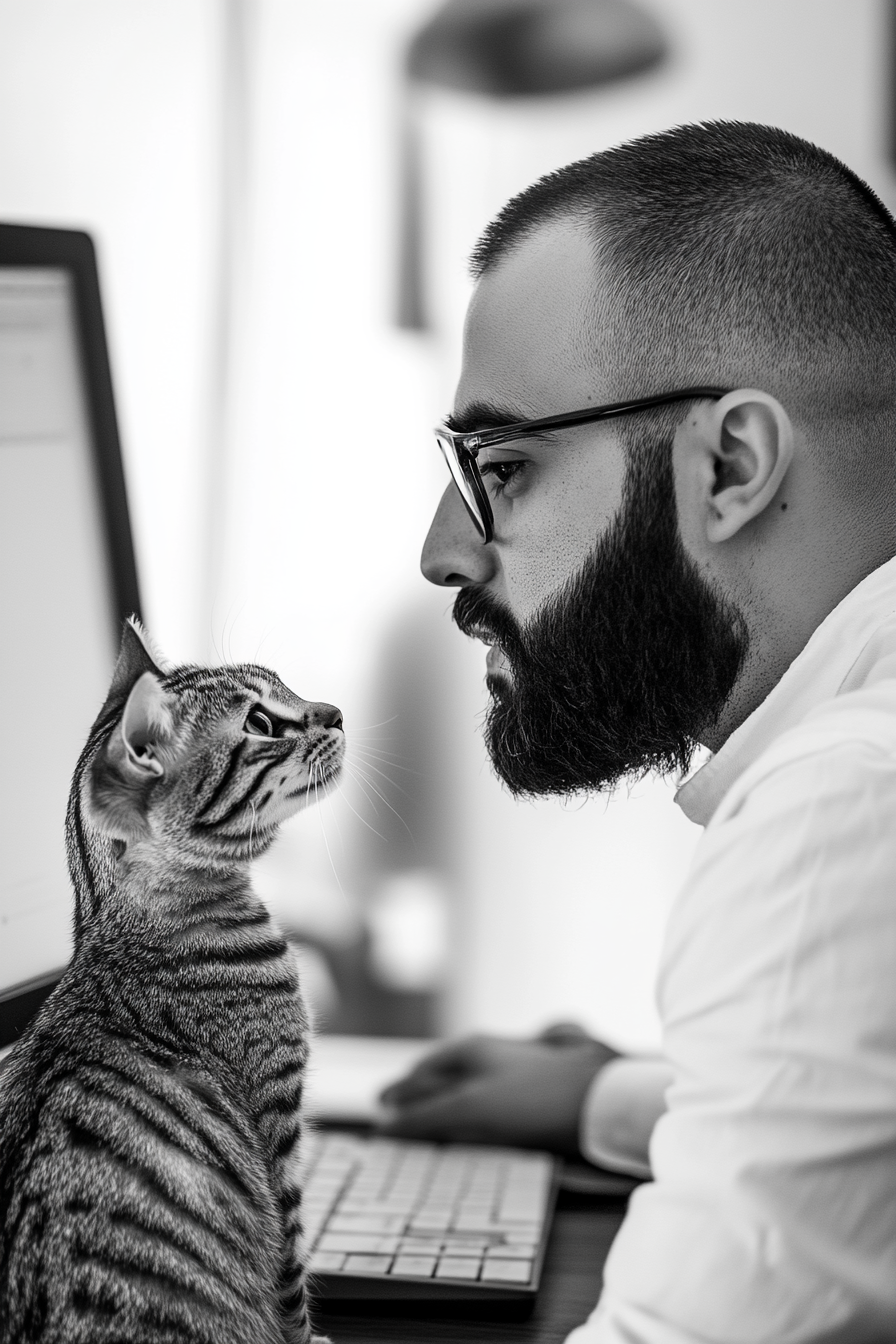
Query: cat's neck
[[153, 887]]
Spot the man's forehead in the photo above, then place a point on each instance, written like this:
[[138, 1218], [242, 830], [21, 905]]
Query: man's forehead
[[532, 335]]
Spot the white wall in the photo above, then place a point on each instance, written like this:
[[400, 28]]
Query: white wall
[[109, 122]]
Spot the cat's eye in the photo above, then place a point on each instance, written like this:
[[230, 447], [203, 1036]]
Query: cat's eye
[[259, 724]]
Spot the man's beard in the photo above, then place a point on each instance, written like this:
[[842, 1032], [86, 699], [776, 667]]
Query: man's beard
[[618, 673]]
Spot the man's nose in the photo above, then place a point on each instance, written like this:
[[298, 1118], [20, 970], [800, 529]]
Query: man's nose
[[453, 553]]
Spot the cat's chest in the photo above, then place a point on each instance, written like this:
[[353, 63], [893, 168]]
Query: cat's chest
[[232, 995], [247, 1030], [248, 1005]]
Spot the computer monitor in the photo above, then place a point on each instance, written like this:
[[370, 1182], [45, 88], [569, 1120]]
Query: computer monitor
[[67, 579]]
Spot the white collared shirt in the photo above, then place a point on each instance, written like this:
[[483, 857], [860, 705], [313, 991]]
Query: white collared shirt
[[771, 1216]]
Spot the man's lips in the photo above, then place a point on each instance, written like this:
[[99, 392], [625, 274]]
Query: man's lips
[[496, 661]]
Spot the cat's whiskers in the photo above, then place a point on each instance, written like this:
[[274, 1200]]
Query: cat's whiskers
[[369, 728], [323, 831], [386, 758], [361, 772], [356, 771], [329, 797], [354, 810], [369, 765]]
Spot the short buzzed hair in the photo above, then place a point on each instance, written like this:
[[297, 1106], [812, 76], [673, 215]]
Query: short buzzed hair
[[734, 254]]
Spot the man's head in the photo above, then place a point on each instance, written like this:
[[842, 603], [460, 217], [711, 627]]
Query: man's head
[[671, 563]]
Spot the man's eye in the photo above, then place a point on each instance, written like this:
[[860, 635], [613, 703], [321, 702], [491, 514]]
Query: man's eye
[[258, 724], [502, 474]]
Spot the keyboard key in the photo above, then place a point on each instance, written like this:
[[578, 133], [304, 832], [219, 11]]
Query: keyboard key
[[321, 1261], [421, 1245], [507, 1271], [367, 1264], [458, 1267], [471, 1222], [430, 1222], [512, 1252], [520, 1210], [414, 1266], [455, 1245], [366, 1242], [371, 1207], [526, 1192], [367, 1222]]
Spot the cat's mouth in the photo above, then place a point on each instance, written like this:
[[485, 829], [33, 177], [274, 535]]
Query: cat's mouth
[[325, 765], [324, 776]]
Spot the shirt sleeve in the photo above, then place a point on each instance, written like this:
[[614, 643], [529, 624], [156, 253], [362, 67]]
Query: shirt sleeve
[[772, 1213], [621, 1107]]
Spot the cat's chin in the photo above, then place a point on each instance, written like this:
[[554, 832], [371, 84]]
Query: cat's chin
[[308, 794]]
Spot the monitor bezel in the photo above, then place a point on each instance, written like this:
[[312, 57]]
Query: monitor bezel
[[73, 251]]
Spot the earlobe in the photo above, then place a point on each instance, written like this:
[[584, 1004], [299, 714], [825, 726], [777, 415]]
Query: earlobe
[[146, 727], [752, 449]]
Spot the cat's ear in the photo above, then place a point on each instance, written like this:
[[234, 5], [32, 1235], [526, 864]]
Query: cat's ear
[[137, 655], [146, 727], [140, 748]]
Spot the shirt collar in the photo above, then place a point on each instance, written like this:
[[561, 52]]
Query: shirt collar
[[814, 676]]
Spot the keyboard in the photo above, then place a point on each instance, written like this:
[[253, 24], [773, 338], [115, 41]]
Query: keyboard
[[407, 1221]]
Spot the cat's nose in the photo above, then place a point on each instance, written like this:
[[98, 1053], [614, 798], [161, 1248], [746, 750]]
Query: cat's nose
[[325, 716]]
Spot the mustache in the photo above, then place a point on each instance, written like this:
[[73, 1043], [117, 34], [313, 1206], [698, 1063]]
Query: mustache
[[479, 615]]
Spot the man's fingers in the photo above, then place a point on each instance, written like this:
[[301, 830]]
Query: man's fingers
[[456, 1113], [443, 1068], [421, 1083]]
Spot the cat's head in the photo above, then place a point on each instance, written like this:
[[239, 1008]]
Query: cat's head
[[204, 762]]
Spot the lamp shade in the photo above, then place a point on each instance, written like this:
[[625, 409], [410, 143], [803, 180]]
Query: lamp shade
[[520, 48]]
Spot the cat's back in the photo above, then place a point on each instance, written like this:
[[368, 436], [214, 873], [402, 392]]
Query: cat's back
[[133, 1193]]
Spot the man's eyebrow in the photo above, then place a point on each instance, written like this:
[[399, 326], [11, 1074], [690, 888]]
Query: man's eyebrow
[[483, 415]]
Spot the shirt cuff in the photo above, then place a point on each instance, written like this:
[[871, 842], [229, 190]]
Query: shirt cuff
[[620, 1109]]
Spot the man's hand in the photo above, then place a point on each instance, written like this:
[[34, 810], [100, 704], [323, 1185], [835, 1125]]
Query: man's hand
[[487, 1089]]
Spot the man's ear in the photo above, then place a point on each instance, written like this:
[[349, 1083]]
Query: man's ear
[[750, 449], [146, 728]]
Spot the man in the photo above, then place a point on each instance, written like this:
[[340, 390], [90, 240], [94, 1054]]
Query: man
[[709, 562]]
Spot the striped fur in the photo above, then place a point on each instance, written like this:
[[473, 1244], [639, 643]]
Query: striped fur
[[150, 1117]]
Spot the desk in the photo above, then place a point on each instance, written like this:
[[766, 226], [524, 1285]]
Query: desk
[[584, 1227]]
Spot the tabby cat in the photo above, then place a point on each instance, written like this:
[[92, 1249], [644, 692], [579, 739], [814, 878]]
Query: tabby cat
[[150, 1117]]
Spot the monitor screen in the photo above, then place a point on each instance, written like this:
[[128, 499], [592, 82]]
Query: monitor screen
[[60, 600]]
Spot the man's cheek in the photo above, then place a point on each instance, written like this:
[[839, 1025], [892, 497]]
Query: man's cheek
[[534, 581]]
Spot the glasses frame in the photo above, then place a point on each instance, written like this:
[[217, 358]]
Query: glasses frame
[[461, 450]]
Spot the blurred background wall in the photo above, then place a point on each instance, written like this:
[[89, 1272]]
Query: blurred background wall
[[264, 182]]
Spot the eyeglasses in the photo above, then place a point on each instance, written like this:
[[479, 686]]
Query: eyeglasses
[[461, 450]]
